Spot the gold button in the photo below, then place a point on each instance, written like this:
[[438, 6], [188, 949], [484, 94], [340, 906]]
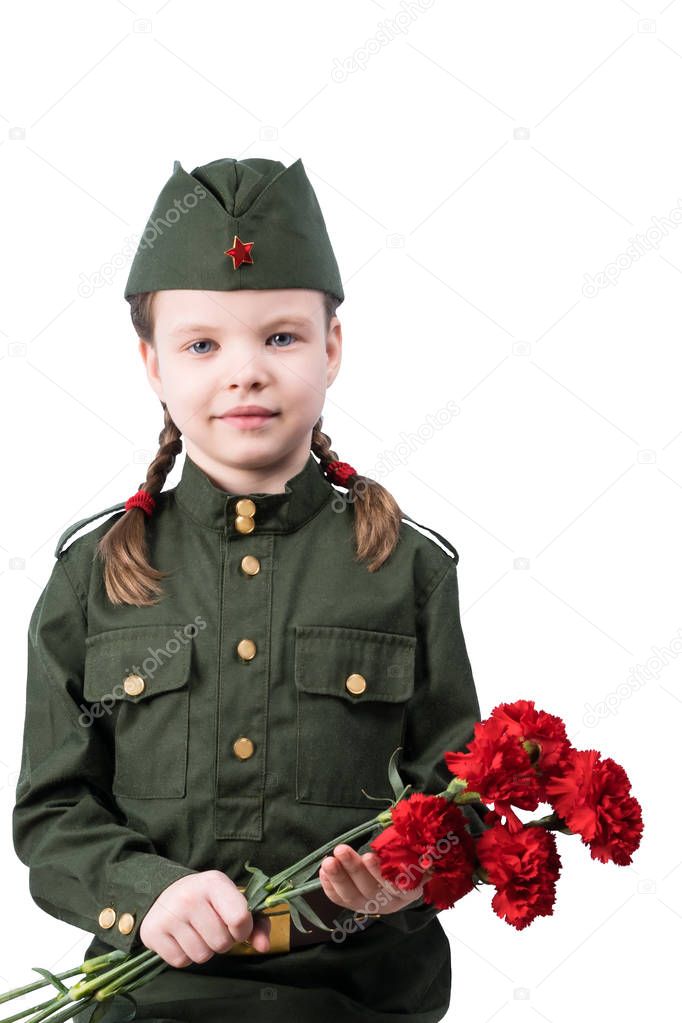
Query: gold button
[[133, 685], [107, 917], [243, 748], [250, 565], [244, 524], [126, 923], [355, 684], [246, 648], [246, 507]]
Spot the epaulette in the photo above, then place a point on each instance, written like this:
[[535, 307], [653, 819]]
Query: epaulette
[[441, 538], [70, 530]]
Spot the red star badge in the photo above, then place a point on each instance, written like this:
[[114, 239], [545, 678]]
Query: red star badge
[[240, 252]]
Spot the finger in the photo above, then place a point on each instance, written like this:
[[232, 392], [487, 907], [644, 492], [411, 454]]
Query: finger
[[233, 910], [260, 935], [342, 883], [358, 871], [192, 943], [212, 928], [329, 887], [331, 891], [169, 950]]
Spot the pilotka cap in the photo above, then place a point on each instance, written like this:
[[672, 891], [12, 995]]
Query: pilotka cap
[[232, 225]]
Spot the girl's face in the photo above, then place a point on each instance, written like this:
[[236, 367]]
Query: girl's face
[[215, 350]]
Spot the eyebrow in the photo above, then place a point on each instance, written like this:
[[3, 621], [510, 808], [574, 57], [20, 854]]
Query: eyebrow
[[194, 328]]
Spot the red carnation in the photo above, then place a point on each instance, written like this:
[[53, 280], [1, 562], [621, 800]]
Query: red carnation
[[428, 833], [593, 797], [499, 769], [546, 731], [524, 867]]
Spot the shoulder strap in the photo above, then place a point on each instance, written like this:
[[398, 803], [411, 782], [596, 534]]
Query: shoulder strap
[[430, 530], [70, 530]]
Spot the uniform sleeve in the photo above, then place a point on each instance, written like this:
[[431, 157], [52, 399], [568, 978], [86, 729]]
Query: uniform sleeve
[[441, 714], [82, 858]]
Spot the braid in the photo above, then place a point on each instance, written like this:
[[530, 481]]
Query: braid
[[128, 576], [377, 514], [321, 444], [170, 446]]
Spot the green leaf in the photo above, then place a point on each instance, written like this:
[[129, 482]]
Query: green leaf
[[51, 977], [397, 784], [303, 908], [256, 885], [296, 917]]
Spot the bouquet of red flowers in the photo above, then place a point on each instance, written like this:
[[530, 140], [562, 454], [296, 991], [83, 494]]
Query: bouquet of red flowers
[[519, 757]]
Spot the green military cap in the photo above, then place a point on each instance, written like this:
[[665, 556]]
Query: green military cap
[[232, 225]]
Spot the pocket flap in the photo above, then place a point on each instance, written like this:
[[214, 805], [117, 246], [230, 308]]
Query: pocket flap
[[327, 655], [160, 655]]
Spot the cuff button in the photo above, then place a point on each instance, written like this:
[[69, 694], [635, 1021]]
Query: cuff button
[[107, 917], [126, 923]]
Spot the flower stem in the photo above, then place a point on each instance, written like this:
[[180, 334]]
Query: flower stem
[[29, 1009], [119, 982], [86, 987], [87, 966], [147, 976], [69, 1010], [273, 900], [552, 822], [49, 1007], [381, 820]]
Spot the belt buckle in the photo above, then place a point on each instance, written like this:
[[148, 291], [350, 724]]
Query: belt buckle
[[280, 931]]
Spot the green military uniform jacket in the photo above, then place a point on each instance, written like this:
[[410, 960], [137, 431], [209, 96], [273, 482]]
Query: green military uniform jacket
[[217, 727]]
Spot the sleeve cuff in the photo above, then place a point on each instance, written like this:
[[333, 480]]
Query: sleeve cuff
[[132, 887]]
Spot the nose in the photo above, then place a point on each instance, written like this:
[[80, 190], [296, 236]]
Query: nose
[[244, 366]]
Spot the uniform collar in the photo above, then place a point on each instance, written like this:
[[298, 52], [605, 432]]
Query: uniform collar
[[304, 494]]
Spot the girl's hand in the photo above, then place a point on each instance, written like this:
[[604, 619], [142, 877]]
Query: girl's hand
[[199, 915], [356, 882]]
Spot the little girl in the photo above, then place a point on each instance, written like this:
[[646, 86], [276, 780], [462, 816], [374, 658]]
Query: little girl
[[219, 672]]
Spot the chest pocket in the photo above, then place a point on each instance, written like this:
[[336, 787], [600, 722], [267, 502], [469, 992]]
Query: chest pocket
[[137, 678], [352, 687]]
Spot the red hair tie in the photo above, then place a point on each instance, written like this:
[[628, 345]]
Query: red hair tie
[[339, 472], [142, 499]]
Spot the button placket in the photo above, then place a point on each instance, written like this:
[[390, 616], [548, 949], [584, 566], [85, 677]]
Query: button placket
[[244, 676]]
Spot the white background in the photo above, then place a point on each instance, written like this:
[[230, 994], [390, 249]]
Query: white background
[[477, 165]]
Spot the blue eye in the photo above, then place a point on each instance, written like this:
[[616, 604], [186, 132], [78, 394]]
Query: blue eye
[[283, 335], [203, 341]]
